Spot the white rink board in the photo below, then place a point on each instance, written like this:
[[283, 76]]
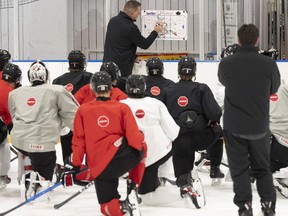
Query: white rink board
[[206, 70]]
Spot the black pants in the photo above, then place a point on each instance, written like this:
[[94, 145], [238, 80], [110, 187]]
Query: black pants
[[187, 144], [279, 155], [250, 158], [66, 145], [106, 183], [150, 181], [43, 162]]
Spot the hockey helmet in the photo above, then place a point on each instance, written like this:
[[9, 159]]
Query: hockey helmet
[[230, 50], [76, 59], [272, 53], [12, 73], [4, 58], [38, 73], [135, 85], [154, 66], [112, 69], [187, 66], [101, 82]]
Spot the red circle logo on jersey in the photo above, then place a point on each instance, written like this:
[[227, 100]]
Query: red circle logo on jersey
[[274, 97], [69, 87], [155, 90], [182, 101], [31, 102], [103, 121], [140, 113]]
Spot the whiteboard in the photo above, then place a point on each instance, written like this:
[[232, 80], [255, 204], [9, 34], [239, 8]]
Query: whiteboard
[[175, 23]]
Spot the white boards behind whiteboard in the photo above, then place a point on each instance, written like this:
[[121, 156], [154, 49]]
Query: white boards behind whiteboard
[[175, 23]]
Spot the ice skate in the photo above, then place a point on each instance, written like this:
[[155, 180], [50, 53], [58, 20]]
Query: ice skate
[[32, 185], [281, 186], [267, 209], [58, 172], [4, 180], [194, 191], [248, 210], [133, 197], [126, 208], [216, 175], [203, 163]]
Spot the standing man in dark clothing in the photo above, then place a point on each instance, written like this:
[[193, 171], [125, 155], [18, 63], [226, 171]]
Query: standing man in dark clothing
[[249, 79], [73, 81], [155, 81], [123, 37]]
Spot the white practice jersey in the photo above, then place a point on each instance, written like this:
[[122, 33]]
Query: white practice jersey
[[279, 114], [156, 123], [37, 114]]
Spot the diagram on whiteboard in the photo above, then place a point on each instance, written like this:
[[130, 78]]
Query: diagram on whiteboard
[[175, 23]]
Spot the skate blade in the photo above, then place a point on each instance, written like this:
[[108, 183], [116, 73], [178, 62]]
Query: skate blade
[[133, 200], [281, 188], [216, 181]]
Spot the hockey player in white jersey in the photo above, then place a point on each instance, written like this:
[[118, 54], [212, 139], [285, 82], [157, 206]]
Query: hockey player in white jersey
[[279, 144], [37, 113]]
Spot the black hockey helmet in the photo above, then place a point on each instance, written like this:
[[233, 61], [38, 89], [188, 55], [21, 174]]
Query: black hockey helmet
[[187, 66], [135, 85], [272, 53], [12, 73], [230, 50], [154, 66], [112, 69], [76, 59], [4, 58], [101, 82], [38, 73]]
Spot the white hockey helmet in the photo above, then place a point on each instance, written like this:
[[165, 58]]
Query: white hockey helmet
[[38, 73]]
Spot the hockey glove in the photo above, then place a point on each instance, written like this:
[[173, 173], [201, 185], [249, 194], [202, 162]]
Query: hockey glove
[[69, 175]]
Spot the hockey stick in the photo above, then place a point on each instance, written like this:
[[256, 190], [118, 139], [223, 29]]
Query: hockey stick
[[37, 195], [32, 198], [59, 205], [14, 158]]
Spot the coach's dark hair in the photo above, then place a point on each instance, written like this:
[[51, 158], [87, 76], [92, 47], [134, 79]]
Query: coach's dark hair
[[248, 34], [132, 5]]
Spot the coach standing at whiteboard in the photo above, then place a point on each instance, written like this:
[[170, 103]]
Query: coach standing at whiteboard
[[123, 37]]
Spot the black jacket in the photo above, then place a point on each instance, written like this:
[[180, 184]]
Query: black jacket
[[75, 80], [249, 79], [155, 86], [189, 96], [122, 39]]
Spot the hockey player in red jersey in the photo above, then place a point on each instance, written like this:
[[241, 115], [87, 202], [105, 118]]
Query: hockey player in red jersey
[[86, 94], [10, 80], [73, 80], [106, 132], [4, 59]]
